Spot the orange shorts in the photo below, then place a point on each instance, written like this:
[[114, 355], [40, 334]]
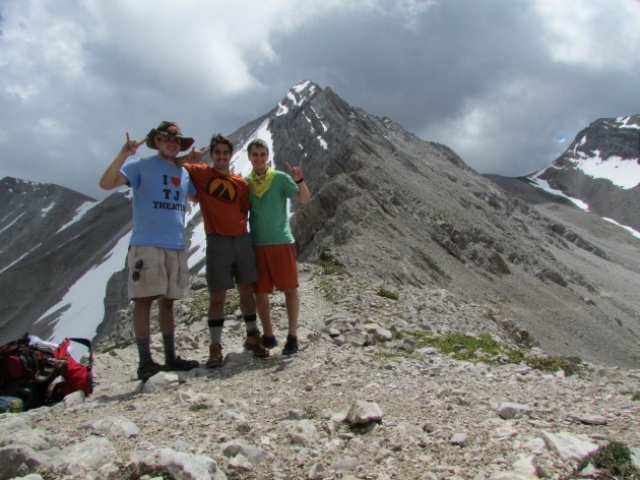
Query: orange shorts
[[276, 267]]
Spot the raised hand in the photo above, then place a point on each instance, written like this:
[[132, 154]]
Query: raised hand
[[295, 172], [131, 146], [112, 176], [195, 156]]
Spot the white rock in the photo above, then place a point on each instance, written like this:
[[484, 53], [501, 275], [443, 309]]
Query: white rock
[[362, 411], [567, 446]]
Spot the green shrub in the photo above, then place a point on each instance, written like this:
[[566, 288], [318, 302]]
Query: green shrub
[[485, 349], [243, 428], [311, 411], [384, 292], [613, 461], [330, 265], [569, 365]]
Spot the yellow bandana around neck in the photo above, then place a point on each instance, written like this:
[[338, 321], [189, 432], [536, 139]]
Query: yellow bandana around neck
[[261, 183]]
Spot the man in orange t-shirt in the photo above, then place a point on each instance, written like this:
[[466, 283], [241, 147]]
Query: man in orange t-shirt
[[224, 203]]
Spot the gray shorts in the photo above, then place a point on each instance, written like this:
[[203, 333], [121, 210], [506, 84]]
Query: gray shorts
[[230, 260], [157, 272]]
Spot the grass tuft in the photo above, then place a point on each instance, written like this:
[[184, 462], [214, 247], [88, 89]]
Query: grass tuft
[[485, 349], [330, 265], [198, 304], [311, 411], [613, 461], [386, 293], [244, 428]]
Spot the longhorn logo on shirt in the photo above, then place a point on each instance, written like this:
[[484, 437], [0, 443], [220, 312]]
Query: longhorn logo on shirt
[[223, 189]]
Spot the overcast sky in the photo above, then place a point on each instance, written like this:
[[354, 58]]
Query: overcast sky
[[506, 84]]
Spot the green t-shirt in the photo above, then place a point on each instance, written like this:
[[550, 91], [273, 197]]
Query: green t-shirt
[[268, 217]]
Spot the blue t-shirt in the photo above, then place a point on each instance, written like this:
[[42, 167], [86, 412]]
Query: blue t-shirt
[[159, 191]]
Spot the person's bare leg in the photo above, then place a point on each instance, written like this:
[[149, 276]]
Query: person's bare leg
[[247, 302], [165, 316], [216, 303], [264, 313], [292, 303], [248, 308], [141, 317]]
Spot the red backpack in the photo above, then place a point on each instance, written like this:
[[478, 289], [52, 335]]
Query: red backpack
[[40, 376], [76, 377]]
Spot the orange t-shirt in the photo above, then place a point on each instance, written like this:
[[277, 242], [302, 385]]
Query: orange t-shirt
[[224, 200]]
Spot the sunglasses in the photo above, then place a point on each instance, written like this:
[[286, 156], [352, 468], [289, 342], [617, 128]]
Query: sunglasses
[[136, 273]]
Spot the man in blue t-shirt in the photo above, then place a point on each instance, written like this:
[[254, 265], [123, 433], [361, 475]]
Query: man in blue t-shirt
[[157, 257]]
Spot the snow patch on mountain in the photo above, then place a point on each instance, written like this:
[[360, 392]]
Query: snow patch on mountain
[[622, 172], [82, 308]]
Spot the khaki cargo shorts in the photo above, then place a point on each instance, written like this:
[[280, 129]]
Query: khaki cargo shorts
[[157, 272]]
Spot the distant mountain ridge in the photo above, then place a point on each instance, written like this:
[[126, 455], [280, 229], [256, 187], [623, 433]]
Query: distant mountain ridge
[[50, 238], [601, 168], [33, 207], [387, 205]]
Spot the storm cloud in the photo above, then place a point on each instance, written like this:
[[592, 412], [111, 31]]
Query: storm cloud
[[507, 85]]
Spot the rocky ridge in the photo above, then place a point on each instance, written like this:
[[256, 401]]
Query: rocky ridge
[[360, 401], [605, 141]]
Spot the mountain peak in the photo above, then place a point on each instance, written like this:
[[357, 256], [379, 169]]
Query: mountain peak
[[599, 171], [297, 95], [611, 137]]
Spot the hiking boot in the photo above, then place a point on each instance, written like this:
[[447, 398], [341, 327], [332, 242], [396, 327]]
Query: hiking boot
[[215, 356], [291, 347], [269, 342], [180, 364], [148, 369], [254, 343]]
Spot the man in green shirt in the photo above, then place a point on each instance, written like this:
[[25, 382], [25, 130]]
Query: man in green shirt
[[273, 241]]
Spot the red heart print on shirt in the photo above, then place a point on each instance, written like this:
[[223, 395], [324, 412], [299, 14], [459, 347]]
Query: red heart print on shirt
[[175, 181]]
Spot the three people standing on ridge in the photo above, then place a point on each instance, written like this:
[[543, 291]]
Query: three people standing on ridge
[[157, 258]]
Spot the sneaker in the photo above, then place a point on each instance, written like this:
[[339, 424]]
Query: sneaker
[[215, 356], [269, 342], [180, 364], [148, 369], [254, 343], [291, 347]]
